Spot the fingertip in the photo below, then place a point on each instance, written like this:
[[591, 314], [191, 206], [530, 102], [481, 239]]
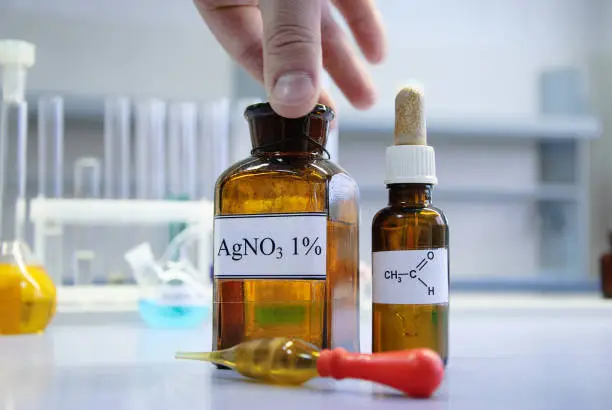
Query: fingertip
[[366, 102], [290, 111], [366, 97], [294, 94], [378, 48], [378, 53]]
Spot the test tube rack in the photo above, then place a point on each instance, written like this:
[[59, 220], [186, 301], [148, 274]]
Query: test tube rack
[[50, 215]]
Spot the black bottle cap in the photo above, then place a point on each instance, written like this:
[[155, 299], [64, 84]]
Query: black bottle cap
[[272, 133]]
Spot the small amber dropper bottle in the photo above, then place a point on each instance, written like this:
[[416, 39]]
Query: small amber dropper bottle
[[606, 271], [410, 270]]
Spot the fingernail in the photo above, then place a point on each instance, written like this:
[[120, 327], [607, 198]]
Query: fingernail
[[293, 88]]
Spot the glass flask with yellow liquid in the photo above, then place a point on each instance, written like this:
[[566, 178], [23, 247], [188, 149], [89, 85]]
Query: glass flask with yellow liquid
[[286, 258], [27, 293]]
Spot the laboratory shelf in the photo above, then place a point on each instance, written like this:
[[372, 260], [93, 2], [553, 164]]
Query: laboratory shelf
[[100, 298], [542, 127], [75, 229], [76, 106], [545, 192], [80, 106], [467, 293], [118, 211], [540, 284], [84, 107]]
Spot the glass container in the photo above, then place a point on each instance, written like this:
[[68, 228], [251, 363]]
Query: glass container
[[286, 258], [27, 293]]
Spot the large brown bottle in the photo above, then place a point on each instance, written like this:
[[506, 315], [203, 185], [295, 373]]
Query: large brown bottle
[[286, 256]]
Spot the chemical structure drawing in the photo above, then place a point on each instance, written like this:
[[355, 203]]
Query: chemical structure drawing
[[414, 274]]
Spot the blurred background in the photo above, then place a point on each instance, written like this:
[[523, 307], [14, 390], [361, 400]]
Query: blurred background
[[516, 95], [133, 110]]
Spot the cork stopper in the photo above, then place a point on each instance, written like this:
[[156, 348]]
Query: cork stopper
[[410, 126]]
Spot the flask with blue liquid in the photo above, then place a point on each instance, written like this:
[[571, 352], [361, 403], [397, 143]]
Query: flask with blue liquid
[[171, 296]]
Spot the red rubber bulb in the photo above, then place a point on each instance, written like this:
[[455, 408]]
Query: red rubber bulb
[[416, 372]]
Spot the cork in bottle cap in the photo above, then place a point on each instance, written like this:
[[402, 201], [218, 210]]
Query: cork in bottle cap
[[410, 126]]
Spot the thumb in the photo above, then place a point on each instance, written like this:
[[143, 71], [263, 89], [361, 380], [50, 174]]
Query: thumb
[[291, 54]]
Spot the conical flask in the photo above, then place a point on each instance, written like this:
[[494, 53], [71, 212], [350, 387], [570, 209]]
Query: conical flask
[[27, 294]]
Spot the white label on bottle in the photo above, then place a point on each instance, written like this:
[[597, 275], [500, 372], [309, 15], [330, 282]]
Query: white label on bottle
[[271, 246], [414, 277]]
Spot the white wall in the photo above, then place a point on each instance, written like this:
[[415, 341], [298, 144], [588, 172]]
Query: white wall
[[135, 47], [600, 64], [476, 57]]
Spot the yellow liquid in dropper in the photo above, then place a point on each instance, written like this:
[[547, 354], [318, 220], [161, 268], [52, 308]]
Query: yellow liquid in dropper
[[27, 299], [276, 360]]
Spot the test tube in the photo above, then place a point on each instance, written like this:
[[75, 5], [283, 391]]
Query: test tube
[[182, 150], [51, 176], [150, 149], [117, 178], [87, 183], [51, 147], [87, 177], [213, 143], [117, 153]]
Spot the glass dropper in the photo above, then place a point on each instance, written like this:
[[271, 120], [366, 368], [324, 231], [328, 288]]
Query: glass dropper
[[287, 361]]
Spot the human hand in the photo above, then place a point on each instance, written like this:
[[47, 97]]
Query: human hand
[[284, 43]]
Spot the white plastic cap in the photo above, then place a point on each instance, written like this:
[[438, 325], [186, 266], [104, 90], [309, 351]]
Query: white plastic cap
[[17, 52], [410, 164], [15, 57], [410, 160], [140, 256], [145, 269]]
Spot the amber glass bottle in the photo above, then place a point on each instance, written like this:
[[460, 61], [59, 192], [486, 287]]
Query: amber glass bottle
[[410, 269], [410, 229], [605, 271], [286, 238]]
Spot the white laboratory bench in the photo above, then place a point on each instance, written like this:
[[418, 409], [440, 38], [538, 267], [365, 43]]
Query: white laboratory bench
[[507, 352]]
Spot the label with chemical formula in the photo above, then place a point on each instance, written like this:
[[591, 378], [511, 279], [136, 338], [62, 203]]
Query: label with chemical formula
[[414, 277], [271, 246]]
